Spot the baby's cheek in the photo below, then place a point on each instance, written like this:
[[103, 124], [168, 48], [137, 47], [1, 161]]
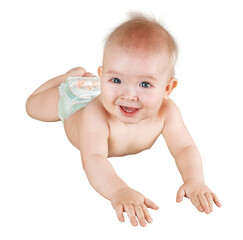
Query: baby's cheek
[[152, 100], [108, 96]]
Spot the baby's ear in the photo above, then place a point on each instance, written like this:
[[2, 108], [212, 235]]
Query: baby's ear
[[100, 71], [169, 87]]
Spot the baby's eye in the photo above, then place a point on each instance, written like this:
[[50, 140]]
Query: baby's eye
[[145, 84], [116, 80]]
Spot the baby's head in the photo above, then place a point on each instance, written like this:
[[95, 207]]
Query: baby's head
[[138, 62], [143, 34]]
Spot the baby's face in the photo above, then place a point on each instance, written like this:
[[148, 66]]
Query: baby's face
[[133, 84]]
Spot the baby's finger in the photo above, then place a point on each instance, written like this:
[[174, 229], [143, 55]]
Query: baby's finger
[[180, 194], [140, 215], [204, 202], [195, 201], [131, 213], [119, 212], [147, 214], [150, 204], [216, 200], [210, 200]]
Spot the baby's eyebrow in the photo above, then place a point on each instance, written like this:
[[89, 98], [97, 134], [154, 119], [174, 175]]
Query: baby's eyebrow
[[139, 76], [148, 76], [113, 73]]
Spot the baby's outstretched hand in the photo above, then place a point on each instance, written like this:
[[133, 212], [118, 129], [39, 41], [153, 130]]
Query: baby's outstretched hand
[[134, 204], [199, 194]]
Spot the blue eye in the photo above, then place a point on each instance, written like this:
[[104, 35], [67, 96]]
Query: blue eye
[[145, 84], [116, 80]]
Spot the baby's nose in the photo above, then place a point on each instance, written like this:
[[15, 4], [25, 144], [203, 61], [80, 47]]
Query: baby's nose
[[128, 95], [129, 98]]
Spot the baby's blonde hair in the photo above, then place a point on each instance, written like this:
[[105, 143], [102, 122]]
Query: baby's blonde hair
[[143, 33]]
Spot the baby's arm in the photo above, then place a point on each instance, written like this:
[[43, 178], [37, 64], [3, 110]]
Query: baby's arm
[[188, 161], [93, 144]]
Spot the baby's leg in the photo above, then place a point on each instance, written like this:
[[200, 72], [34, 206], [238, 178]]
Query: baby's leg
[[43, 102], [43, 106]]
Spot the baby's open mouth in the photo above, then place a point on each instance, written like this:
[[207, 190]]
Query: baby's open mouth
[[128, 109]]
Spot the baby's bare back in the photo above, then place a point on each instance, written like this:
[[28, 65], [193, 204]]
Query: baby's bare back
[[124, 139]]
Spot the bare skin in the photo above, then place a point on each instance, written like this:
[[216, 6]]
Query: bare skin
[[102, 130]]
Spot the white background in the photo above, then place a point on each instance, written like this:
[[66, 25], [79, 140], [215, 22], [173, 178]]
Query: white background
[[44, 193]]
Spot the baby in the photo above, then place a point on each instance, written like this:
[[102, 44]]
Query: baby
[[122, 112]]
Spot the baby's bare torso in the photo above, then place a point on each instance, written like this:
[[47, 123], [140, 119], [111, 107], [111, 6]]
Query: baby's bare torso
[[123, 139]]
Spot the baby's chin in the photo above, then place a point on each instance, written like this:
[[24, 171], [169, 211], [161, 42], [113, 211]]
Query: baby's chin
[[129, 121], [133, 120]]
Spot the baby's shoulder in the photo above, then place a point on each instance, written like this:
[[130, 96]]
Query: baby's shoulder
[[170, 110], [169, 105], [88, 121], [94, 111]]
